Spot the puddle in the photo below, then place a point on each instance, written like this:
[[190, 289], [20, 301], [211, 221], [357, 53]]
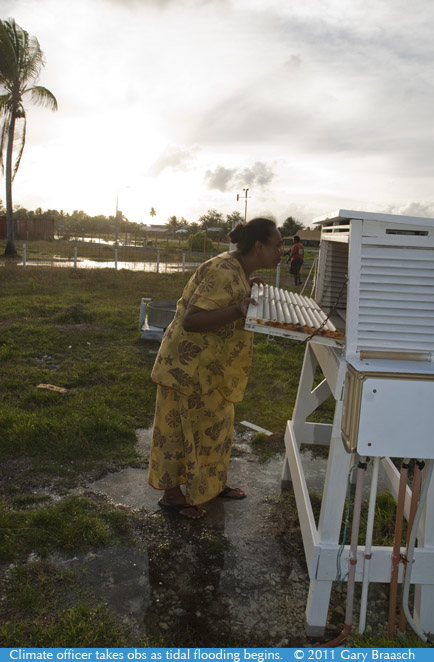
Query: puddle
[[83, 263], [238, 577], [117, 577], [222, 579]]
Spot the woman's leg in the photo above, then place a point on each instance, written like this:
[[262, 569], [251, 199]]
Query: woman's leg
[[208, 431], [191, 445], [167, 461]]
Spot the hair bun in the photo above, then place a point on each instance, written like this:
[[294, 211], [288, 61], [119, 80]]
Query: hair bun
[[246, 235], [237, 233]]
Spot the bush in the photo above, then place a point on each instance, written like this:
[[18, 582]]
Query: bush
[[200, 242]]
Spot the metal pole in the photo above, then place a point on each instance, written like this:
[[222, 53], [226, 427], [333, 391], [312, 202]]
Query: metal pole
[[231, 245], [278, 275], [24, 255], [116, 220], [245, 205], [368, 545], [75, 257]]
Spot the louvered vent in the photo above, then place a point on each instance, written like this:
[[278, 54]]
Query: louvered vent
[[396, 307], [335, 274]]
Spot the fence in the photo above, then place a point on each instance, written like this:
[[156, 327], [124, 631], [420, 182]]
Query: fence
[[93, 255]]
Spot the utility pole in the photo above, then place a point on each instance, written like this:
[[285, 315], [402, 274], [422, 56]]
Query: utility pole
[[117, 220], [245, 202], [231, 245]]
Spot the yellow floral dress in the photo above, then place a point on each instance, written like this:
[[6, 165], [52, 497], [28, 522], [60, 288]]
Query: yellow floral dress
[[199, 376]]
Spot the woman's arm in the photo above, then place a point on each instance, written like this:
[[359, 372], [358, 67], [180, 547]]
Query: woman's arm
[[199, 319]]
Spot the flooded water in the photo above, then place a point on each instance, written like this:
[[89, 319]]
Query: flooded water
[[152, 267], [224, 576], [236, 578]]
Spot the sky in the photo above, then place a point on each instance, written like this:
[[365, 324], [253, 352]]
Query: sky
[[180, 105]]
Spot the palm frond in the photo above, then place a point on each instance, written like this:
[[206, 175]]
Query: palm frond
[[33, 61], [8, 60], [43, 97], [5, 115], [5, 100], [19, 154], [3, 143], [21, 60]]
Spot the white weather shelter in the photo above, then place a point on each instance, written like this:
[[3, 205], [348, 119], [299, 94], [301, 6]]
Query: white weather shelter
[[376, 283]]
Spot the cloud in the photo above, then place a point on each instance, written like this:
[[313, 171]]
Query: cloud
[[420, 209], [175, 157], [220, 178], [163, 4], [259, 174]]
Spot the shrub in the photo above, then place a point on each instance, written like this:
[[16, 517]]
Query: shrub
[[200, 242]]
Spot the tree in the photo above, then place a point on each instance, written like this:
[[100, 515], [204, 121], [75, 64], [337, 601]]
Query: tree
[[233, 220], [212, 219], [290, 227], [21, 60], [172, 224]]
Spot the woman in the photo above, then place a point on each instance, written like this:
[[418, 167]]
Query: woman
[[202, 368]]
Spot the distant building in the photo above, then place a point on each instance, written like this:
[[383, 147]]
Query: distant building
[[30, 228], [156, 228], [156, 231]]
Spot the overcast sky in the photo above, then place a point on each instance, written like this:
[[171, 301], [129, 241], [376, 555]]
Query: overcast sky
[[313, 105]]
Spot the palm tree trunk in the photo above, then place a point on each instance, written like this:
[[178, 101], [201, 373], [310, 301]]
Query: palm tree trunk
[[10, 248]]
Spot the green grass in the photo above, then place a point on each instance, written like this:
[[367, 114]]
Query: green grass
[[78, 330], [273, 383], [50, 611], [72, 524]]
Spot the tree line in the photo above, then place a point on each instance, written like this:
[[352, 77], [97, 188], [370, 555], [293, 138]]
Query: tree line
[[79, 224]]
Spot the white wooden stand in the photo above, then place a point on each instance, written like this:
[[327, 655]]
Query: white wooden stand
[[321, 543]]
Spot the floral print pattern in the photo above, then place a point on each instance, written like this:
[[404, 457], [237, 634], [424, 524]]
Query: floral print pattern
[[195, 450], [194, 362], [199, 375]]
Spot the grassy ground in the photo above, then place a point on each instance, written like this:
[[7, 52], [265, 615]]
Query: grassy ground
[[78, 330]]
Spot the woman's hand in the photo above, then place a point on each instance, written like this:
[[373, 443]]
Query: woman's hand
[[243, 306], [256, 281]]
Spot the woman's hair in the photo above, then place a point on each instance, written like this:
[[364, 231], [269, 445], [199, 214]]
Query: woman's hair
[[245, 235]]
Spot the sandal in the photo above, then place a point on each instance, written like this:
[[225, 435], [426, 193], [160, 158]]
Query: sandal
[[232, 493], [177, 508]]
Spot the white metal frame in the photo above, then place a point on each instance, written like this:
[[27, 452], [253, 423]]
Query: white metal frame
[[385, 264], [321, 543]]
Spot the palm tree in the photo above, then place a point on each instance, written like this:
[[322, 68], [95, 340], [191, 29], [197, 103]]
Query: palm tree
[[21, 60]]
